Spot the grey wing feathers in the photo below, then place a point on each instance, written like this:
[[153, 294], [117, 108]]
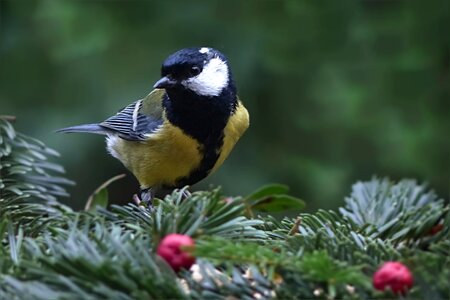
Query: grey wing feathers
[[130, 124], [90, 128]]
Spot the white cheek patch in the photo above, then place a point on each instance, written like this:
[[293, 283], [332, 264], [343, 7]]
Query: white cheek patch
[[204, 50], [211, 81]]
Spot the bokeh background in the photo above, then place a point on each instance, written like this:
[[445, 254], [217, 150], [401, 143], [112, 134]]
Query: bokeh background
[[338, 91]]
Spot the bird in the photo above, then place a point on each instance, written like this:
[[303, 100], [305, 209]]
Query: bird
[[184, 129]]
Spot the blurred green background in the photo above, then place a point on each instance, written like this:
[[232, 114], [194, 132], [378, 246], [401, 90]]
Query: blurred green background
[[337, 90]]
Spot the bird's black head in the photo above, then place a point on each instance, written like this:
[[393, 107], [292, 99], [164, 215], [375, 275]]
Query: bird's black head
[[203, 71]]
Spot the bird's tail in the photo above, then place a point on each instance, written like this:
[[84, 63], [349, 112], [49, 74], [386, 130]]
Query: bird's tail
[[89, 128]]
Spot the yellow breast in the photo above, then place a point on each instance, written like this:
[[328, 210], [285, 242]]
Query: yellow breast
[[166, 156], [169, 154], [236, 126]]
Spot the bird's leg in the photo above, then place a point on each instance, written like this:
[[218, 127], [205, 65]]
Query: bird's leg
[[137, 200]]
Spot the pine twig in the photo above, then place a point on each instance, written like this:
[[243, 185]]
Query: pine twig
[[295, 227]]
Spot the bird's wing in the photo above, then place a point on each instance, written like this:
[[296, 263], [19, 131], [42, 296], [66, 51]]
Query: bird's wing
[[137, 120]]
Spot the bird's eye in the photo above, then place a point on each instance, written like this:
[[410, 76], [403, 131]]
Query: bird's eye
[[194, 71]]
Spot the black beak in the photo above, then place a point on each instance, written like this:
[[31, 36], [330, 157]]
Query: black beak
[[165, 83]]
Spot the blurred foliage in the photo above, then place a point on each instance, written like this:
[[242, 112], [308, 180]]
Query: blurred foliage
[[48, 251], [337, 90]]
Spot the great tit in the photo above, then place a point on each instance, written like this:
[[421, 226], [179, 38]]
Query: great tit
[[184, 129]]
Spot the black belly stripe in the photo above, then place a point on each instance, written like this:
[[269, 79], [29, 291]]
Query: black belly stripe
[[211, 154], [204, 119]]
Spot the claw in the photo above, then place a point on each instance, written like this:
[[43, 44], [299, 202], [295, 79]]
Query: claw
[[147, 196], [186, 193]]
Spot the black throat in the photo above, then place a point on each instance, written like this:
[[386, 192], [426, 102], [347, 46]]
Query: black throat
[[204, 119]]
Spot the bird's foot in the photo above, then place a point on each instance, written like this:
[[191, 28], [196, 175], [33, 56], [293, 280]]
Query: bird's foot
[[186, 193], [183, 194], [145, 199]]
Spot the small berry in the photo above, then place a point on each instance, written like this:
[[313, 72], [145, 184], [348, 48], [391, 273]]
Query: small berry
[[435, 229], [227, 200], [170, 249], [394, 275]]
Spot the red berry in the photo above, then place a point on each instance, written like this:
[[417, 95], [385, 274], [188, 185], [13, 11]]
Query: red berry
[[435, 229], [394, 275], [170, 249]]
